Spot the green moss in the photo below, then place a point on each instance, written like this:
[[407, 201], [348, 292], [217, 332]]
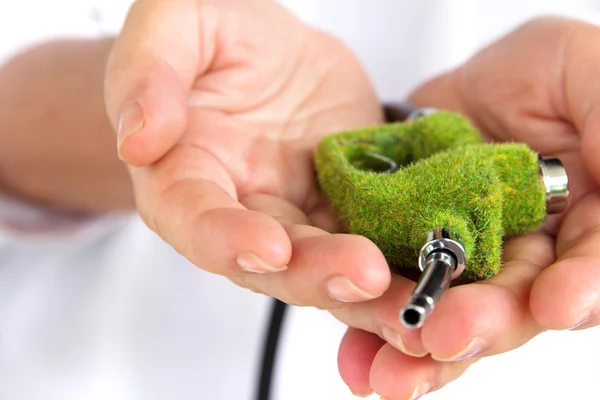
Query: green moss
[[448, 178]]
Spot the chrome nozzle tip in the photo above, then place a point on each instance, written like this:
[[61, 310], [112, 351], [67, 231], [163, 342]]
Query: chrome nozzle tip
[[413, 316]]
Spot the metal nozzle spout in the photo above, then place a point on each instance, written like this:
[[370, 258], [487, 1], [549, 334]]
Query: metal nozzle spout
[[432, 284], [441, 259]]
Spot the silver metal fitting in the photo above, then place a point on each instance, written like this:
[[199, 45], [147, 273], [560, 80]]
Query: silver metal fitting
[[443, 239], [420, 112], [392, 165], [555, 179], [402, 112]]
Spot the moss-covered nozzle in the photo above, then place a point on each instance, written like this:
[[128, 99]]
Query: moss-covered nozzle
[[431, 195]]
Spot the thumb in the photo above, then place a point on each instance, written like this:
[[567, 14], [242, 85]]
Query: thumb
[[162, 48]]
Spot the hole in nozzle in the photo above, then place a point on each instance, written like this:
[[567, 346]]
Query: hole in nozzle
[[412, 317]]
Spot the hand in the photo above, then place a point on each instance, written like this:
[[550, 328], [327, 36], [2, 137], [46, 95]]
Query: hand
[[219, 105], [539, 85]]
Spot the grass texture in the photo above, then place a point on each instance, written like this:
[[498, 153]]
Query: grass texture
[[448, 178]]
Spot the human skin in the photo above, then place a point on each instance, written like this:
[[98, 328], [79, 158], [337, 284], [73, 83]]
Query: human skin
[[539, 85], [189, 188]]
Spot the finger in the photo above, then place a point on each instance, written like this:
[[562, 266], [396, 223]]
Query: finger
[[486, 318], [355, 357], [566, 293], [396, 376], [325, 270], [492, 316], [367, 364], [162, 47], [189, 199], [382, 317]]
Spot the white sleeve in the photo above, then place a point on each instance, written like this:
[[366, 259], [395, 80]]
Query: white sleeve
[[23, 218], [25, 223]]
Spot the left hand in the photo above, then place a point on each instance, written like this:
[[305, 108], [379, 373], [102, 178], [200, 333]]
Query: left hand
[[218, 114], [539, 85]]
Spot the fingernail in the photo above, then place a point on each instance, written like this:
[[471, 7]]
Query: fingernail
[[586, 322], [342, 289], [252, 263], [421, 390], [131, 121], [581, 322], [394, 338], [362, 395], [474, 347]]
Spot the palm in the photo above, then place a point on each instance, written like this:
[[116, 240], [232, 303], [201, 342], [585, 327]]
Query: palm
[[551, 110], [284, 102], [526, 105]]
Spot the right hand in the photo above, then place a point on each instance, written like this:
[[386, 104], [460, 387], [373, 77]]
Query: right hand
[[539, 85], [219, 105]]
